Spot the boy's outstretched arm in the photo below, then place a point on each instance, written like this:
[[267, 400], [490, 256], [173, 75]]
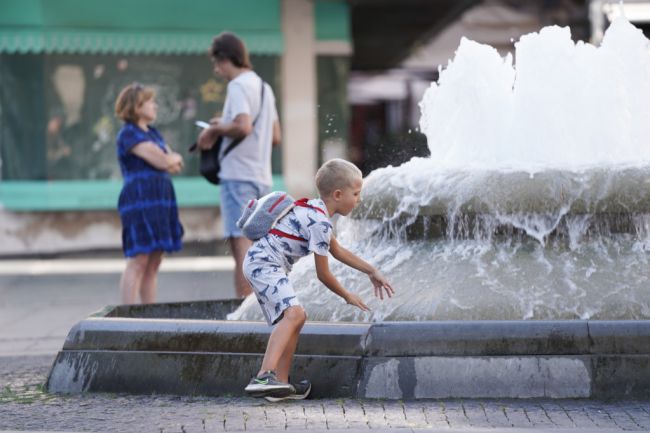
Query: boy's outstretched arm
[[326, 277], [378, 280]]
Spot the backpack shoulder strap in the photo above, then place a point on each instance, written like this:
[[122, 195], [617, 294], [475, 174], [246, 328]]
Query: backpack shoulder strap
[[236, 141], [303, 203]]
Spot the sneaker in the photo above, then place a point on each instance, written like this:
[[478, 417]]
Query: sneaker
[[300, 391], [267, 383]]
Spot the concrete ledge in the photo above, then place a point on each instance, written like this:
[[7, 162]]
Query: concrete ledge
[[394, 360], [214, 374], [476, 377], [479, 338], [172, 335]]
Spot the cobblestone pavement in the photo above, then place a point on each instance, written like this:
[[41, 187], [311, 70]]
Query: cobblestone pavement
[[25, 406]]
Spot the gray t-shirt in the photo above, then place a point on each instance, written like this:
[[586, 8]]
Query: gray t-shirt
[[250, 160]]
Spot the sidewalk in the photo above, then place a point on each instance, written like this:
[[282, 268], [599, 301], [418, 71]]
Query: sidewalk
[[40, 300]]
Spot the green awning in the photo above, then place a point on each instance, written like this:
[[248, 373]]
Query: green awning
[[332, 20], [136, 26]]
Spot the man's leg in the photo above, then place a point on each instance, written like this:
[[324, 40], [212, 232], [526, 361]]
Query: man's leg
[[235, 195], [239, 246]]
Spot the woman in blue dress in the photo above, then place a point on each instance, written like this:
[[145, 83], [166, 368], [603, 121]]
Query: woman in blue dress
[[147, 203]]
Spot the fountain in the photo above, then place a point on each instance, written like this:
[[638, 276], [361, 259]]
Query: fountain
[[535, 202], [518, 250]]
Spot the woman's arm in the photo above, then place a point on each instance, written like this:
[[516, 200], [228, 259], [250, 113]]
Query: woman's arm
[[326, 277], [155, 156]]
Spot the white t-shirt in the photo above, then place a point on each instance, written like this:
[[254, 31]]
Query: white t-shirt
[[307, 223], [250, 160]]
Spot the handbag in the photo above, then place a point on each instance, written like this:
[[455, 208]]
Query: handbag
[[209, 162]]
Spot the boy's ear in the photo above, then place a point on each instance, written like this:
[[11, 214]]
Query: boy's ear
[[337, 194]]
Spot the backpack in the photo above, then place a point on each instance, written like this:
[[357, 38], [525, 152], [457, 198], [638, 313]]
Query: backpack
[[260, 216]]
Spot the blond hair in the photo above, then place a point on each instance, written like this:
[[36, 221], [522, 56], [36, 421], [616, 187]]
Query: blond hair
[[130, 99], [336, 174]]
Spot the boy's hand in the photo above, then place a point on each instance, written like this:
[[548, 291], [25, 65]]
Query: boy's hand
[[380, 282], [355, 300]]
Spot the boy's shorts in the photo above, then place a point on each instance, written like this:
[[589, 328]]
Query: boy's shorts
[[235, 195], [271, 286]]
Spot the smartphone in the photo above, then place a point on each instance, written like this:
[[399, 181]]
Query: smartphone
[[202, 124]]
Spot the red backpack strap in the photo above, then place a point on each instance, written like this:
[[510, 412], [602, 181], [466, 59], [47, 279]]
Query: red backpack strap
[[303, 203], [286, 235]]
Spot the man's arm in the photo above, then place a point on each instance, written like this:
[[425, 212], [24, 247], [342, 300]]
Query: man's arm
[[277, 134], [240, 127], [326, 277]]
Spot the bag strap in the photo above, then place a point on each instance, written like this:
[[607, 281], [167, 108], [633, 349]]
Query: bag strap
[[301, 203], [236, 141], [286, 235]]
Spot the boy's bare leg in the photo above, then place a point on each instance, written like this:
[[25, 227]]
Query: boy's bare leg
[[282, 343], [284, 365], [132, 278], [239, 246], [149, 285]]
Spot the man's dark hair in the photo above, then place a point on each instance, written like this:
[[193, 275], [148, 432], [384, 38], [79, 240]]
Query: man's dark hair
[[227, 46]]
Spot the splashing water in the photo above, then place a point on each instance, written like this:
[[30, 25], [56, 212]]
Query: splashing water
[[534, 204]]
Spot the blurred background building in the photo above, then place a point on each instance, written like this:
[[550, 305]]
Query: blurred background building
[[348, 76]]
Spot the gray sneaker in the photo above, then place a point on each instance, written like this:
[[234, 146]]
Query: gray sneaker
[[267, 383], [300, 391]]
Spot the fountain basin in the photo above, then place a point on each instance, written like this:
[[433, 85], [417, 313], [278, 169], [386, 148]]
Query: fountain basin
[[419, 188], [393, 360]]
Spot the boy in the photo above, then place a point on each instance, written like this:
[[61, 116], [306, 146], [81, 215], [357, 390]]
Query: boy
[[305, 229]]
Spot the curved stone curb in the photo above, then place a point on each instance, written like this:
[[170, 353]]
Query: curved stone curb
[[392, 360]]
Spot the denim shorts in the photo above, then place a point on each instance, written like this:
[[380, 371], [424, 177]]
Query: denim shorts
[[235, 195]]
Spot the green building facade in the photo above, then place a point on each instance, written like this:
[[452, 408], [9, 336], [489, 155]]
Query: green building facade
[[63, 62]]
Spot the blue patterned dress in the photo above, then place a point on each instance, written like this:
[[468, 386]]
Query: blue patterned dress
[[147, 203]]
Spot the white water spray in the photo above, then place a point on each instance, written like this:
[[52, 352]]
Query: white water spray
[[535, 202]]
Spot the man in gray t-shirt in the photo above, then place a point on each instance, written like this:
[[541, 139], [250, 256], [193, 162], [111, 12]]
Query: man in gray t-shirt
[[250, 114]]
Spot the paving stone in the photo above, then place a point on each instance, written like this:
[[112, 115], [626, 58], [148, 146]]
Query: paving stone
[[638, 412], [354, 415], [599, 415], [315, 415], [435, 415], [455, 414], [374, 413], [334, 414], [394, 414], [556, 414], [517, 416], [495, 412], [414, 413], [537, 414], [25, 406]]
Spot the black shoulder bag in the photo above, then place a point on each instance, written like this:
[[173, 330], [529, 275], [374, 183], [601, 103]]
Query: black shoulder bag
[[210, 165]]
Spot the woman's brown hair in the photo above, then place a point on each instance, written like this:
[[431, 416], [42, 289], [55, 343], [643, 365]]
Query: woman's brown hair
[[130, 99]]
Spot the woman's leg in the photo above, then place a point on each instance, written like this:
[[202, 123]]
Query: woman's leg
[[149, 286], [131, 280], [282, 343]]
